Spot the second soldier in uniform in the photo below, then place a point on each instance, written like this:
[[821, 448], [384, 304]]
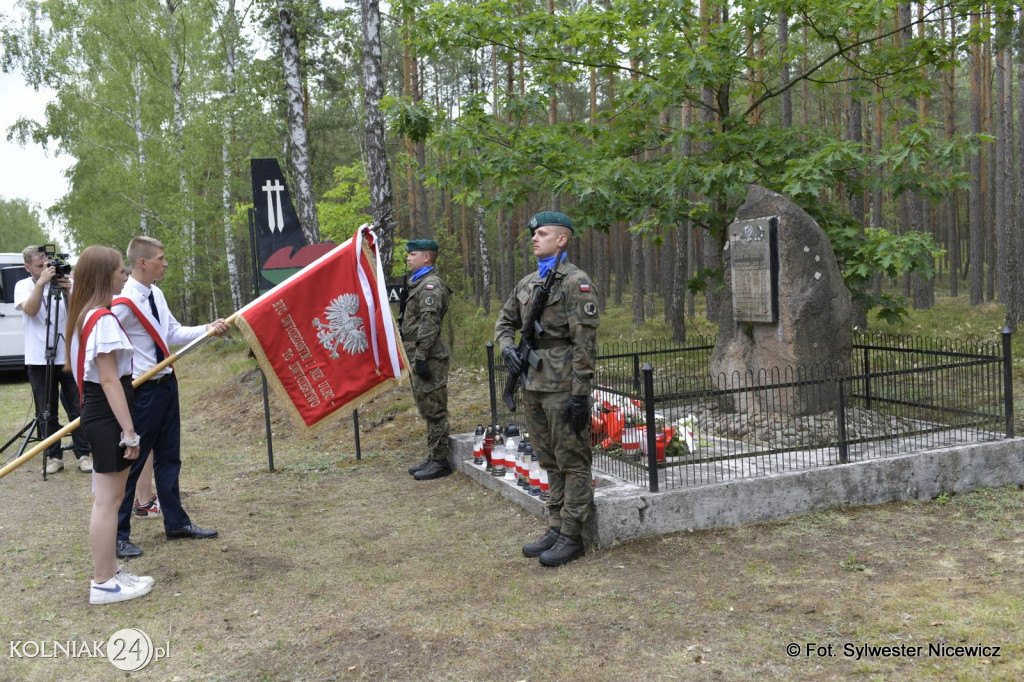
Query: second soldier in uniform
[[425, 306], [556, 397]]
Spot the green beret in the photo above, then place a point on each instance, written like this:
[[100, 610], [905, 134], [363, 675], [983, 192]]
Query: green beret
[[421, 245], [550, 218]]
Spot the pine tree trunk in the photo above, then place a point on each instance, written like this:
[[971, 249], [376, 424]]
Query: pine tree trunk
[[924, 289], [515, 222], [637, 263], [600, 240], [410, 149], [553, 117], [650, 274], [1001, 145], [975, 210], [855, 197], [615, 240], [712, 114], [951, 204], [989, 173], [636, 266], [786, 99], [420, 150], [1015, 310], [681, 271]]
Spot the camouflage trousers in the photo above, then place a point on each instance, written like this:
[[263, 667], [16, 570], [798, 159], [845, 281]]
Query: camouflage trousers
[[433, 407], [565, 456]]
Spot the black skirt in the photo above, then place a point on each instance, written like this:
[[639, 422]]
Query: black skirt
[[101, 428]]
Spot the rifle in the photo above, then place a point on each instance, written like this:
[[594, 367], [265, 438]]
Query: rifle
[[526, 350]]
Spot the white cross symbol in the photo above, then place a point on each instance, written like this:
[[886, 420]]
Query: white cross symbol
[[273, 190]]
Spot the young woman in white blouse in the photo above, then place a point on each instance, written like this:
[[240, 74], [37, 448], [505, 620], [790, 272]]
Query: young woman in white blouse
[[100, 357]]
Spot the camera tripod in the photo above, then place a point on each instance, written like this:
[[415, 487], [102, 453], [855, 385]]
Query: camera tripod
[[37, 429]]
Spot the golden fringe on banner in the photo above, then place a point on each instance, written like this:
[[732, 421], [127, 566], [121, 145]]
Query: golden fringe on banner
[[282, 394], [286, 401]]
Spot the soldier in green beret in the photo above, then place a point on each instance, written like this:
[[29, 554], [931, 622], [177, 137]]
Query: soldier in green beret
[[425, 307], [556, 397]]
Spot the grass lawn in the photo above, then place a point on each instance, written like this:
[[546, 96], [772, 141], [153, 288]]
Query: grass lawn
[[336, 568]]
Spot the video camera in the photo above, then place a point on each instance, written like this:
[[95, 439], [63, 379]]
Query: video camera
[[58, 260]]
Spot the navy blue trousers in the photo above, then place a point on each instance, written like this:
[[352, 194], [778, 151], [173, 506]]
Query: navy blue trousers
[[157, 419]]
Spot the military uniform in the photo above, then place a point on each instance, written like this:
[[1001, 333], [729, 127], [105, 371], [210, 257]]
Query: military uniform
[[425, 308], [568, 352]]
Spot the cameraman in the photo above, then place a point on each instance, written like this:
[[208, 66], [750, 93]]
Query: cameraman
[[33, 297]]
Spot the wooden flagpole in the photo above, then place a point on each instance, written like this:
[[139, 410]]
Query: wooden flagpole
[[54, 438]]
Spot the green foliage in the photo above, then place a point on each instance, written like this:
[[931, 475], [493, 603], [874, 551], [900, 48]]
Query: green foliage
[[449, 260], [346, 205], [864, 252], [468, 330], [627, 165], [414, 120], [633, 160], [21, 225]]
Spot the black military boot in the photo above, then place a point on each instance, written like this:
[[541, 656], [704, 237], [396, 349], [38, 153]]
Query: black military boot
[[434, 469], [546, 542], [417, 467], [567, 548]]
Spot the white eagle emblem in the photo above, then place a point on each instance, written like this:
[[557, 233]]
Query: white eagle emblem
[[343, 328]]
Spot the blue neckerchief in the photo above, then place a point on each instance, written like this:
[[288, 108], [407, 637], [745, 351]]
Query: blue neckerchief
[[545, 264], [419, 273]]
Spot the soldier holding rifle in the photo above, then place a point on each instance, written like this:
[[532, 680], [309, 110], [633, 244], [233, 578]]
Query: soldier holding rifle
[[556, 310]]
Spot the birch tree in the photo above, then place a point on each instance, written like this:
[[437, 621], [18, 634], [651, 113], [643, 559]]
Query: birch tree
[[229, 35], [298, 140], [377, 169], [188, 225]]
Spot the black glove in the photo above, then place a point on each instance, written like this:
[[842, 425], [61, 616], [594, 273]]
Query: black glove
[[513, 363], [576, 413], [422, 370]]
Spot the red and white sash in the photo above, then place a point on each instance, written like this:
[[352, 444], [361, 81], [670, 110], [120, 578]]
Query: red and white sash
[[83, 339], [124, 300]]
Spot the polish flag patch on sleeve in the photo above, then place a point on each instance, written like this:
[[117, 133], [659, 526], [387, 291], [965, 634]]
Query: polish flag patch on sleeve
[[429, 287], [584, 286]]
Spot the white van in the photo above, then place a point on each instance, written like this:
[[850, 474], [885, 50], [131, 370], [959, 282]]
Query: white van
[[12, 334]]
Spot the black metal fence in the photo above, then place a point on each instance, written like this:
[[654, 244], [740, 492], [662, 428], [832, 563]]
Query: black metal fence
[[895, 394]]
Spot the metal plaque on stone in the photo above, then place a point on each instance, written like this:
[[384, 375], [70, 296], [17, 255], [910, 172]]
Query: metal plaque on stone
[[754, 257]]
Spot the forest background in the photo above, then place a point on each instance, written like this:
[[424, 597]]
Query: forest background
[[893, 124]]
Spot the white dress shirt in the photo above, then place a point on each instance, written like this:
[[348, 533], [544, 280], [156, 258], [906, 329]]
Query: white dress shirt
[[106, 337], [170, 330], [35, 325]]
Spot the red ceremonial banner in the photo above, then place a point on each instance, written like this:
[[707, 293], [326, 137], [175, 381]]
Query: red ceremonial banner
[[325, 337]]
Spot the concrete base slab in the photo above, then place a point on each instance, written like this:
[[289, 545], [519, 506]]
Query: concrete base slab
[[624, 511]]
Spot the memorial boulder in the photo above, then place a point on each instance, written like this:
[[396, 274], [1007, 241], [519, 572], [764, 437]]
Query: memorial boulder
[[790, 320]]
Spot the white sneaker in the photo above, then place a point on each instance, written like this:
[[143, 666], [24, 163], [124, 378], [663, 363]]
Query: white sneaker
[[53, 465], [118, 588], [85, 464], [131, 577]]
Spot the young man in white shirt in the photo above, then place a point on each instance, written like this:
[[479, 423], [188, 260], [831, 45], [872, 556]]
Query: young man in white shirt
[[42, 300], [148, 322]]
